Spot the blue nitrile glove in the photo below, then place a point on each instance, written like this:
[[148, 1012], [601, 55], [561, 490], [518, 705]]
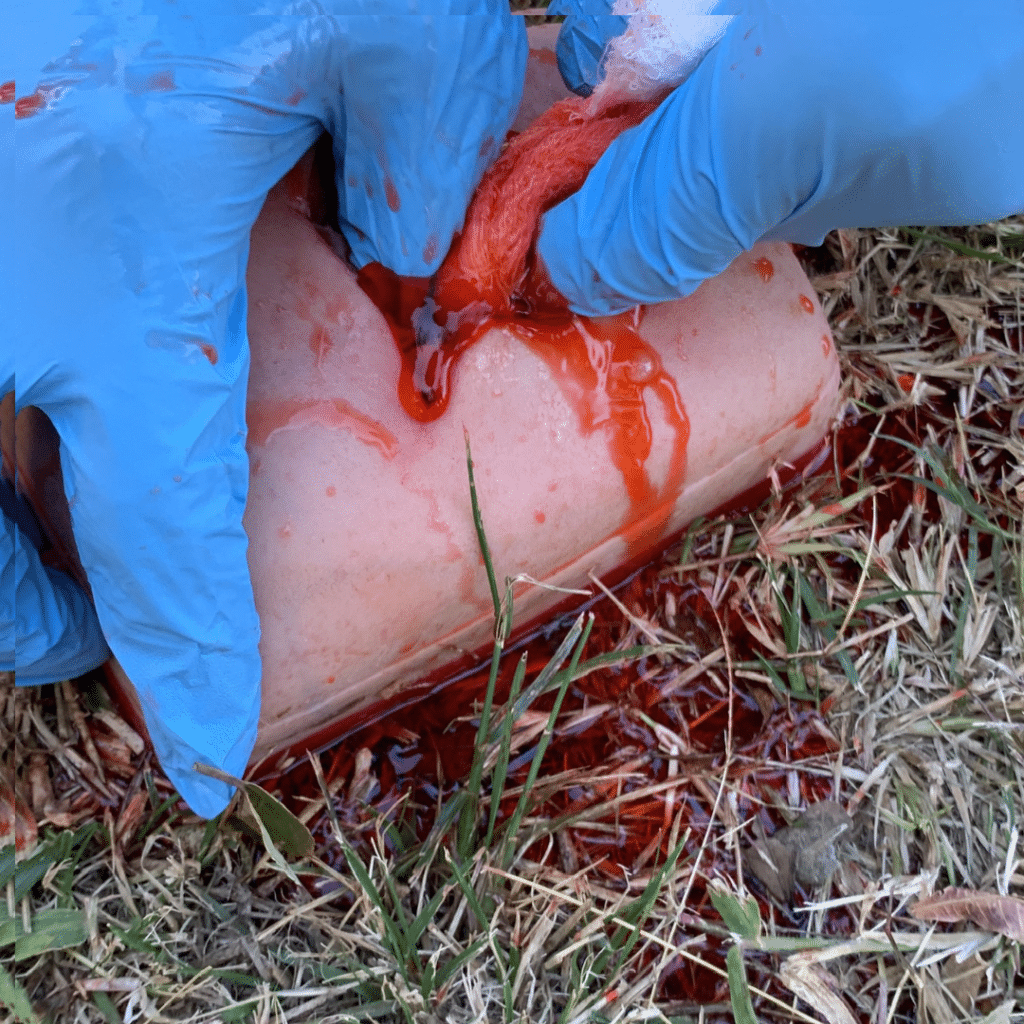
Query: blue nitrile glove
[[145, 148], [584, 34], [801, 119], [58, 634]]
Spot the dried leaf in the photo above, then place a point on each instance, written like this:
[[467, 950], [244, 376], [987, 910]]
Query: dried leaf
[[120, 728], [816, 987], [1003, 914], [963, 980], [771, 863], [130, 816], [17, 823], [277, 825], [813, 837], [932, 999], [1001, 1014]]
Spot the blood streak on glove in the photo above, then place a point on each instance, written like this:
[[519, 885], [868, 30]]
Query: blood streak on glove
[[492, 277]]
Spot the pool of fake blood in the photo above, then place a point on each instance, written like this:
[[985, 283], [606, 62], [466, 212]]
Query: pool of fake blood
[[405, 760]]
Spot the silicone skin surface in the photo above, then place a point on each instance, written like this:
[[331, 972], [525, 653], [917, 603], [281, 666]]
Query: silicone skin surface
[[363, 554]]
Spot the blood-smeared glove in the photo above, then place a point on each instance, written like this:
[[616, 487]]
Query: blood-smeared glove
[[146, 144]]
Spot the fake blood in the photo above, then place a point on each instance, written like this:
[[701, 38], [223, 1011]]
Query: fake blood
[[492, 278], [266, 419], [765, 268], [27, 106]]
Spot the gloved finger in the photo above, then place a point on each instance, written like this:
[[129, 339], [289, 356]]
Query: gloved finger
[[427, 101], [791, 127], [157, 490], [48, 626], [582, 40]]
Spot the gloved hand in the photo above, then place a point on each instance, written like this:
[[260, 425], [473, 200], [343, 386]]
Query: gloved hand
[[146, 146], [801, 119], [58, 634]]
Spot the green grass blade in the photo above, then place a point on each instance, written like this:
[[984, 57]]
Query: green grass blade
[[743, 919], [458, 961], [545, 738], [781, 685], [481, 537], [414, 932], [625, 938], [546, 678], [473, 901], [392, 933], [500, 773], [106, 1006], [14, 998], [471, 811], [399, 916], [959, 247], [502, 625], [56, 849], [739, 989], [58, 928], [823, 620]]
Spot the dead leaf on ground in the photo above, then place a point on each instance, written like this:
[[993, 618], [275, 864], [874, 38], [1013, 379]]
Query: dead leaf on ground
[[816, 987], [1003, 914], [963, 980]]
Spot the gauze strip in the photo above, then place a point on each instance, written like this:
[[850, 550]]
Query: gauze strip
[[664, 42]]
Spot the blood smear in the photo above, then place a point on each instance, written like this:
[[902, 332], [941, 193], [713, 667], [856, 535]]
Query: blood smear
[[266, 419], [27, 106], [603, 367]]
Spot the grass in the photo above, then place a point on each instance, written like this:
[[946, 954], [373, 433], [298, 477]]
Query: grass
[[859, 638]]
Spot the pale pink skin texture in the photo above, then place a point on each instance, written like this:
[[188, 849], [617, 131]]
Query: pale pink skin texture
[[363, 555], [364, 558]]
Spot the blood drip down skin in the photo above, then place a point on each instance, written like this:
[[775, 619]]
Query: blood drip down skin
[[491, 278]]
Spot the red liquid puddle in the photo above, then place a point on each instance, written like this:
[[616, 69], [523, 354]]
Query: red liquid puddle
[[422, 753]]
